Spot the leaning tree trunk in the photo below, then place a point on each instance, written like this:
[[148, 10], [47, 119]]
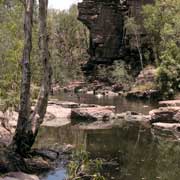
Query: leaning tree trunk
[[28, 124], [37, 116]]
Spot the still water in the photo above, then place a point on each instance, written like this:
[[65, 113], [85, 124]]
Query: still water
[[140, 154], [122, 104]]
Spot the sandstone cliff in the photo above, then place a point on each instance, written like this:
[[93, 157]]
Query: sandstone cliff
[[105, 21]]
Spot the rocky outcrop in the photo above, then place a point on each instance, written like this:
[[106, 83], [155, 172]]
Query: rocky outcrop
[[166, 119], [145, 85], [147, 75], [99, 113], [105, 21], [165, 115], [70, 87], [8, 121], [143, 94]]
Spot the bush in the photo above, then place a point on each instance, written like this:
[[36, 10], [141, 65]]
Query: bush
[[120, 74], [162, 23], [82, 167]]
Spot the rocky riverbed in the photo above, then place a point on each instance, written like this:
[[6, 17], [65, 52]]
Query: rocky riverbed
[[161, 123], [61, 113]]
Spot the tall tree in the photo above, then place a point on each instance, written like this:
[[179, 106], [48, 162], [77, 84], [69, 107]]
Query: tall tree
[[29, 123]]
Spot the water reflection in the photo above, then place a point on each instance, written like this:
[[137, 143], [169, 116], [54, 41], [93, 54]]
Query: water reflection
[[140, 155], [58, 174], [122, 104]]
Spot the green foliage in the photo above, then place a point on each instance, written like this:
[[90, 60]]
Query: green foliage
[[133, 30], [162, 22], [120, 74], [168, 74], [11, 44], [82, 164], [68, 44], [144, 87]]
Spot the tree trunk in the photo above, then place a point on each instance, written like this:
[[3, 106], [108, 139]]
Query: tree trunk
[[42, 102], [20, 139], [139, 49], [28, 124]]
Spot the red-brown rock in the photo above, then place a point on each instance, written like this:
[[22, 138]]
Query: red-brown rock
[[92, 113], [165, 115]]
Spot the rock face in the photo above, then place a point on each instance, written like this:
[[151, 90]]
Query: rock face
[[105, 21]]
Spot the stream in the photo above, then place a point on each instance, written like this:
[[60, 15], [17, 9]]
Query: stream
[[140, 155]]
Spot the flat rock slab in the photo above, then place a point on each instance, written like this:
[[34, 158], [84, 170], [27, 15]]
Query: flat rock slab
[[170, 103], [170, 126], [19, 176], [57, 116], [67, 104], [119, 121], [92, 113], [64, 104], [152, 94], [165, 115]]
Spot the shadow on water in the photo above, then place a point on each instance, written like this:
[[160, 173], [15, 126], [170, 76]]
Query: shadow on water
[[140, 154]]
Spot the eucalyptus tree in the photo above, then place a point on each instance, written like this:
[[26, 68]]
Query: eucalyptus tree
[[29, 122]]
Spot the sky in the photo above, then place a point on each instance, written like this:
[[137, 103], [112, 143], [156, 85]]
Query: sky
[[62, 4]]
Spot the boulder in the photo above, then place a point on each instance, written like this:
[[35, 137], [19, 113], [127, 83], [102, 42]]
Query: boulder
[[165, 115], [111, 94], [148, 94], [5, 136], [99, 113], [19, 176]]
